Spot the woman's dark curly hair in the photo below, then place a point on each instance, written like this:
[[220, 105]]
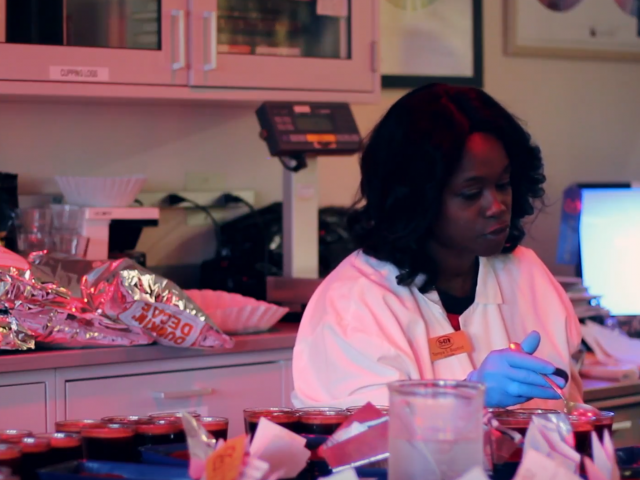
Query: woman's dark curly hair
[[408, 160]]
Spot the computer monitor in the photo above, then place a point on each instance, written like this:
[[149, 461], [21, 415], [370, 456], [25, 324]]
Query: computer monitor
[[610, 247]]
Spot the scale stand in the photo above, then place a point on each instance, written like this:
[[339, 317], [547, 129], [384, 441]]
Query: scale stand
[[298, 133], [300, 217]]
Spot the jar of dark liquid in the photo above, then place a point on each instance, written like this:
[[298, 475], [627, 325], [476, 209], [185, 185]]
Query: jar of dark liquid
[[164, 415], [126, 419], [321, 420], [11, 457], [218, 427], [113, 443], [65, 447], [582, 428], [75, 426], [518, 421], [14, 436], [36, 454], [383, 408], [160, 432], [285, 417], [604, 421]]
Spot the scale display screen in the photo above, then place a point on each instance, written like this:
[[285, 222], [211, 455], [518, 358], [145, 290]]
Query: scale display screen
[[313, 123]]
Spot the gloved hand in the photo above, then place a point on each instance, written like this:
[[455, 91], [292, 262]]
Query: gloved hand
[[512, 377]]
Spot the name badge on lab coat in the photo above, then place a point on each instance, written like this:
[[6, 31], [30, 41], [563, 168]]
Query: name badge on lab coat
[[446, 346]]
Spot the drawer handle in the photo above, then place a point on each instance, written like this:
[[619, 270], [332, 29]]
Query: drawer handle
[[198, 392], [210, 41], [627, 424]]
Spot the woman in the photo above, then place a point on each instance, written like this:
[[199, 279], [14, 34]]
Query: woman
[[440, 286]]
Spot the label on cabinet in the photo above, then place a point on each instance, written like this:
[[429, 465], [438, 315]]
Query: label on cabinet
[[79, 74]]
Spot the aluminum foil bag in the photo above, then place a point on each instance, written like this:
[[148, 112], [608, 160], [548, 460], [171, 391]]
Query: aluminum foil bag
[[42, 314], [127, 293], [13, 336]]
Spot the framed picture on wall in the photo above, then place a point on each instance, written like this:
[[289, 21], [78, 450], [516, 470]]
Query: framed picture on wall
[[425, 41], [590, 29]]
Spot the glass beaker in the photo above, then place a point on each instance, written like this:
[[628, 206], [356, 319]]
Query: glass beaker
[[34, 230], [435, 429], [66, 231]]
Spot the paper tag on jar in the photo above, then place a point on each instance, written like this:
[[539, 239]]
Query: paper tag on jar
[[168, 324], [449, 345]]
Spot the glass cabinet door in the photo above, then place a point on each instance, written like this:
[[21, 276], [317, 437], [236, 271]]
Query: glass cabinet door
[[114, 41], [288, 44]]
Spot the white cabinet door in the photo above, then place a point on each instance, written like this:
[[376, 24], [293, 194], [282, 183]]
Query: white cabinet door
[[24, 407], [98, 41], [285, 44], [224, 391]]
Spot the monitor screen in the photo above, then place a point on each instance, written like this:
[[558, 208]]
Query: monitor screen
[[610, 247]]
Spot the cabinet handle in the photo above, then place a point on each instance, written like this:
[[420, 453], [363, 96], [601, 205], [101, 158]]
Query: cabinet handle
[[375, 57], [625, 425], [182, 42], [210, 41], [198, 392]]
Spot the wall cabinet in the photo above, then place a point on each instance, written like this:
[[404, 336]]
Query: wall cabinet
[[194, 49]]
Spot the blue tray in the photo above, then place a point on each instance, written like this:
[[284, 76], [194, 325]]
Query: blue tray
[[131, 471], [375, 473], [161, 454]]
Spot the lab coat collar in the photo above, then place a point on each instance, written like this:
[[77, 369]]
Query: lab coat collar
[[487, 289]]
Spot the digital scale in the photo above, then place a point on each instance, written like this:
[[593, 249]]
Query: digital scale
[[298, 133]]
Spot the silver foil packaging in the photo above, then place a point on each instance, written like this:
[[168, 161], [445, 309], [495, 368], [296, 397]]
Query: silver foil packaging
[[65, 302], [131, 295]]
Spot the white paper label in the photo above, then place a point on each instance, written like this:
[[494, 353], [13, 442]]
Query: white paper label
[[79, 74], [332, 8], [168, 324]]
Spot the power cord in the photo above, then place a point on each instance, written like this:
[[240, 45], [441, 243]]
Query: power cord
[[223, 201], [227, 199]]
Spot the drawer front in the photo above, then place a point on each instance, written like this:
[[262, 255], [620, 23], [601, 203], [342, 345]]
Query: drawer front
[[626, 427], [224, 391], [24, 407]]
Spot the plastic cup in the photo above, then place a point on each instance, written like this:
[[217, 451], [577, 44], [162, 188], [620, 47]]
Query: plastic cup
[[160, 432], [604, 421], [435, 429], [111, 443], [321, 420], [218, 427], [75, 426], [65, 447], [11, 457], [14, 436], [285, 417]]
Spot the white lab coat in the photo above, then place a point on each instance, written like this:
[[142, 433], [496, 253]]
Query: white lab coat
[[362, 330]]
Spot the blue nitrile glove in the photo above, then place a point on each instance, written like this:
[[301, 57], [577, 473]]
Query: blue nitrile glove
[[512, 377]]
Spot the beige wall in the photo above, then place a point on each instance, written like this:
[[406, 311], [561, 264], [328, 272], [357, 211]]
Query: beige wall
[[585, 115]]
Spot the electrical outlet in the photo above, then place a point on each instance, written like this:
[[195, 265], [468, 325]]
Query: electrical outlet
[[203, 181]]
